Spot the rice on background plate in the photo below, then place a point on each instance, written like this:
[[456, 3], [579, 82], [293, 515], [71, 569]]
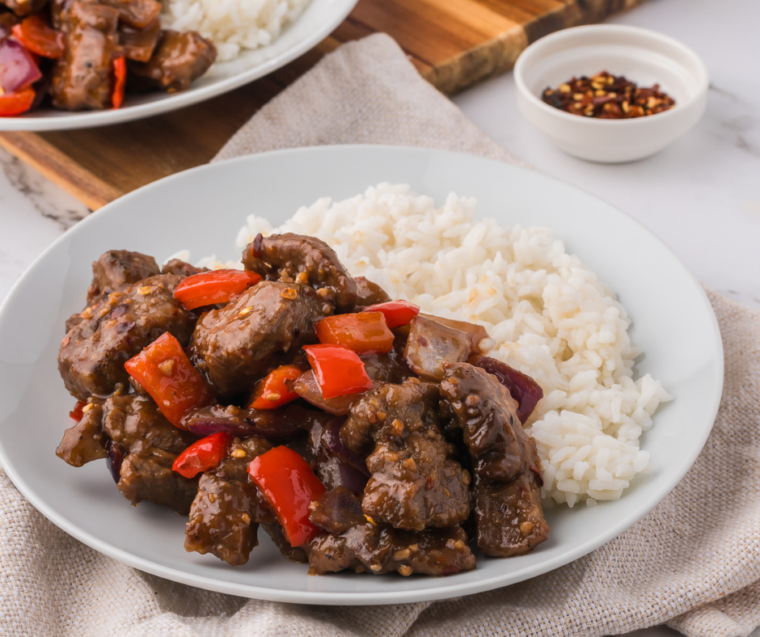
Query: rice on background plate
[[549, 316], [232, 25]]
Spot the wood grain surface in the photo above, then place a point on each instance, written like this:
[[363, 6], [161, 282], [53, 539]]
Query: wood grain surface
[[452, 43]]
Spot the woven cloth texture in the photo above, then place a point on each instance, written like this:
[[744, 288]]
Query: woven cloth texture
[[693, 562]]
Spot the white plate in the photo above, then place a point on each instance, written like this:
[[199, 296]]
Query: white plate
[[318, 20], [201, 210]]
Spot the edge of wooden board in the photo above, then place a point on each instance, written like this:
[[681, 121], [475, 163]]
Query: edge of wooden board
[[499, 55], [30, 148], [479, 63]]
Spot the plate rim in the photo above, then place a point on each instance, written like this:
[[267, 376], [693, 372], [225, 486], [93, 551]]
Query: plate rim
[[176, 101], [443, 591]]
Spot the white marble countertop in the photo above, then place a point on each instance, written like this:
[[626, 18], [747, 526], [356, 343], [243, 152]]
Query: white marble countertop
[[701, 195]]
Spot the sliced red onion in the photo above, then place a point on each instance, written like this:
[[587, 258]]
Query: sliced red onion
[[275, 423], [338, 510], [307, 388], [17, 67], [203, 428], [351, 478], [526, 391], [114, 458], [331, 440], [431, 344], [478, 334]]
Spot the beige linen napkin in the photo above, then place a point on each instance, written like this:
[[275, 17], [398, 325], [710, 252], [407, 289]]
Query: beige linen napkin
[[693, 562]]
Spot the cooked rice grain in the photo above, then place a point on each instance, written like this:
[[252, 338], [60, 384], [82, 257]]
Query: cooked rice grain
[[549, 315]]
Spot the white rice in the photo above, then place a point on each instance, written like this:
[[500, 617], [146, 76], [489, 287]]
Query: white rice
[[232, 25], [548, 314]]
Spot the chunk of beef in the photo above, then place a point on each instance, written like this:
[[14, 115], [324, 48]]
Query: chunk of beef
[[292, 257], [24, 8], [92, 355], [414, 402], [135, 423], [139, 44], [507, 488], [117, 270], [414, 483], [85, 441], [82, 78], [147, 445], [148, 475], [220, 523], [431, 344], [487, 415], [180, 268], [114, 271], [416, 486], [369, 293], [136, 13], [378, 550], [228, 509], [130, 430], [509, 517], [241, 342], [178, 59], [526, 391]]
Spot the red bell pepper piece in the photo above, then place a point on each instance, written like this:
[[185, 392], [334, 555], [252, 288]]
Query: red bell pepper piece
[[339, 370], [397, 313], [203, 455], [219, 286], [273, 392], [78, 412], [120, 81], [39, 37], [17, 102], [165, 372], [364, 333], [290, 486]]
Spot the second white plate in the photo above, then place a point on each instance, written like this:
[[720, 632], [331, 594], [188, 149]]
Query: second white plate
[[318, 20]]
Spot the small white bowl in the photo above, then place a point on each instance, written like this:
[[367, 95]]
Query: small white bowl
[[644, 57]]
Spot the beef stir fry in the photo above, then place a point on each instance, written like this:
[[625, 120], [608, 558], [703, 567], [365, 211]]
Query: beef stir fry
[[360, 434], [85, 54]]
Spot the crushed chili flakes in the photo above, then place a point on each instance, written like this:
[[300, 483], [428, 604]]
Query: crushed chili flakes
[[606, 96]]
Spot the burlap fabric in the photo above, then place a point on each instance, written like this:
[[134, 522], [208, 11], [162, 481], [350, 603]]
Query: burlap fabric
[[693, 562]]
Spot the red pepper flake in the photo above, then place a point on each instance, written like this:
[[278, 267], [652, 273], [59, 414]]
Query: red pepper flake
[[607, 96]]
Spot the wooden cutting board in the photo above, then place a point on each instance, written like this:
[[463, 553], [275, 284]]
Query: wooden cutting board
[[453, 44]]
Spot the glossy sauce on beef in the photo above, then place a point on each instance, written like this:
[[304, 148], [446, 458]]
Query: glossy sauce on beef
[[82, 77], [177, 60], [228, 509], [92, 355], [240, 343], [294, 258], [435, 445]]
